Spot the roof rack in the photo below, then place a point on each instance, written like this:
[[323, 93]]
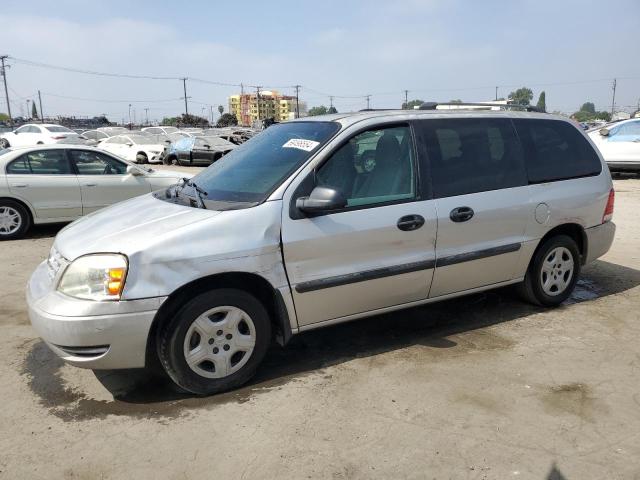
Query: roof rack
[[435, 105]]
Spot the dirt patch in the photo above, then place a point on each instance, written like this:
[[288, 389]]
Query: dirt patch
[[575, 399]]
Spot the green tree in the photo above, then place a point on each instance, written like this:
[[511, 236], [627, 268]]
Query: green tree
[[4, 117], [588, 107], [321, 110], [169, 121], [412, 103], [521, 96], [606, 116], [227, 120], [220, 109], [332, 110], [542, 101], [34, 110]]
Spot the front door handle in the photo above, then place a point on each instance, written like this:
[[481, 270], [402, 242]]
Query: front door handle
[[408, 223], [20, 185], [461, 214], [90, 184]]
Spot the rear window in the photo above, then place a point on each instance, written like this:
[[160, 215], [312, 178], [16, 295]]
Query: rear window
[[60, 130], [556, 150], [473, 155]]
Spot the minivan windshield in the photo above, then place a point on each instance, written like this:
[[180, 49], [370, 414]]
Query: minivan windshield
[[254, 169]]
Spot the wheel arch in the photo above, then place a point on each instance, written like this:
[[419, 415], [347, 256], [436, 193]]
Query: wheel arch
[[26, 205], [251, 283], [572, 230]]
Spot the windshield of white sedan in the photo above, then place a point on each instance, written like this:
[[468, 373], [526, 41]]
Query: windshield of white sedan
[[254, 169], [60, 130], [145, 139]]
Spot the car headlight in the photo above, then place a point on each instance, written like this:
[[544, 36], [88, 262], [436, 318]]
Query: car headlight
[[95, 277]]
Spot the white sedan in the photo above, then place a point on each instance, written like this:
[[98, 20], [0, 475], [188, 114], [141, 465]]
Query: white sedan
[[36, 134], [619, 144], [136, 147], [59, 183]]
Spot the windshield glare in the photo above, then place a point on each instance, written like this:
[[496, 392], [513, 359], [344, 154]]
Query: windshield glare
[[254, 169], [60, 130]]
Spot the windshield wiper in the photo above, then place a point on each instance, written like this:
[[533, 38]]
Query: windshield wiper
[[199, 191]]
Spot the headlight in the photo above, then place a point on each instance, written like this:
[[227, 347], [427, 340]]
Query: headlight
[[95, 277]]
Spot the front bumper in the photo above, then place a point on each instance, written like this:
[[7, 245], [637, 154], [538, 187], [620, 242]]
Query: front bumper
[[633, 166], [97, 335], [599, 240]]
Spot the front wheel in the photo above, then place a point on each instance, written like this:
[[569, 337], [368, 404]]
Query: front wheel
[[4, 143], [215, 342], [553, 272], [141, 158]]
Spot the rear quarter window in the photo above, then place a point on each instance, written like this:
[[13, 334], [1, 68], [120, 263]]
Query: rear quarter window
[[555, 150]]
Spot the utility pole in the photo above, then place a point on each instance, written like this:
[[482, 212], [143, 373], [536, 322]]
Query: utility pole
[[613, 101], [330, 101], [496, 94], [129, 116], [406, 99], [41, 112], [258, 100], [146, 114], [28, 111], [367, 97], [211, 112], [6, 92], [184, 86], [297, 87], [241, 89]]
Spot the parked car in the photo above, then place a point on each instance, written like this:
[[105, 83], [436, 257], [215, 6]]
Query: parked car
[[197, 151], [35, 134], [96, 135], [286, 234], [112, 131], [619, 144], [160, 130], [59, 183], [135, 147]]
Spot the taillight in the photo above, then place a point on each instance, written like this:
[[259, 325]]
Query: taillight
[[608, 210], [59, 137]]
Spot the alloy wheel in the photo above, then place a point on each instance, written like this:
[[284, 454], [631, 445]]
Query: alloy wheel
[[557, 271], [10, 220]]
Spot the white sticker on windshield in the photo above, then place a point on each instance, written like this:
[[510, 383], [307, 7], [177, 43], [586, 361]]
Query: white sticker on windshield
[[301, 144]]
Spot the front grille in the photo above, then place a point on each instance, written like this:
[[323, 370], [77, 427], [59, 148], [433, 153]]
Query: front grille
[[93, 351]]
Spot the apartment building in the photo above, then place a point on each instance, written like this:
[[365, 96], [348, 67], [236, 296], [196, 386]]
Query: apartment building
[[248, 108]]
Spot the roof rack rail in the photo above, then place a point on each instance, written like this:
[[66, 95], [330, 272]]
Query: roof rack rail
[[435, 105]]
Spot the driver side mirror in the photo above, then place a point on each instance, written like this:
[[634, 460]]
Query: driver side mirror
[[131, 170], [604, 132], [206, 146], [129, 144], [322, 199]]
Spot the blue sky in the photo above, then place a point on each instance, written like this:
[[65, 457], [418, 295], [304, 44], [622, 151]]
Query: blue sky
[[437, 49]]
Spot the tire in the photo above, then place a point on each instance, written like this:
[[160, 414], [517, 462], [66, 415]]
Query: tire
[[4, 143], [167, 160], [141, 158], [15, 220], [560, 258], [205, 327]]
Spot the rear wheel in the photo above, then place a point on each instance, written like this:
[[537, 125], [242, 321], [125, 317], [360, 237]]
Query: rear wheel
[[4, 143], [215, 342], [553, 272], [14, 220], [141, 158]]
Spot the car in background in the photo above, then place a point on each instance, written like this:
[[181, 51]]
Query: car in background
[[96, 135], [35, 134], [59, 183], [619, 144], [197, 151], [111, 131], [135, 147], [160, 130]]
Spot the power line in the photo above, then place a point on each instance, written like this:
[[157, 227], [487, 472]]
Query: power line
[[99, 100]]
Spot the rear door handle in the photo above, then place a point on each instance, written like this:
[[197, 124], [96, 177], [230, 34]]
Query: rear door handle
[[19, 185], [90, 184], [408, 223], [461, 214]]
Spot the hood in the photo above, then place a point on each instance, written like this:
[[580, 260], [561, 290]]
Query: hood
[[127, 227]]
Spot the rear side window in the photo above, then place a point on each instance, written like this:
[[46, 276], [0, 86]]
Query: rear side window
[[41, 162], [473, 155], [556, 150]]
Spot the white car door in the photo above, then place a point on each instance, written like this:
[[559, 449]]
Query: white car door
[[22, 137], [622, 145], [45, 180], [377, 252], [104, 180]]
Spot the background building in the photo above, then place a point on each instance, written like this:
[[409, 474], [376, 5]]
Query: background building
[[271, 104]]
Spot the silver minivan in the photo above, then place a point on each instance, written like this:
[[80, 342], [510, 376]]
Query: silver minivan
[[320, 221]]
